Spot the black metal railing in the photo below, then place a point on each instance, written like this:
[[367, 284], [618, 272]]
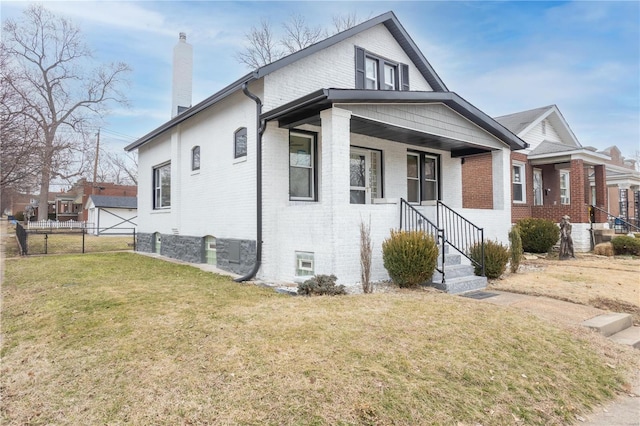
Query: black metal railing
[[620, 225], [21, 236], [412, 220], [460, 233]]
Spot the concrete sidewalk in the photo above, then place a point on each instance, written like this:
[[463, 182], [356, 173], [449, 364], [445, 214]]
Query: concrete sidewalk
[[625, 409]]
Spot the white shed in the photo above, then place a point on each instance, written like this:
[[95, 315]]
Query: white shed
[[112, 215]]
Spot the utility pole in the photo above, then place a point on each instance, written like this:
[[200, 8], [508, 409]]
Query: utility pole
[[95, 163]]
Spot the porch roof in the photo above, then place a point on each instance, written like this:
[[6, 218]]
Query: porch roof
[[306, 110], [550, 153]]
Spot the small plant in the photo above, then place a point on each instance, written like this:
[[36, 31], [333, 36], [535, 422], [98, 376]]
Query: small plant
[[19, 216], [410, 257], [496, 257], [538, 235], [321, 285], [516, 248], [626, 245], [365, 256], [603, 249]]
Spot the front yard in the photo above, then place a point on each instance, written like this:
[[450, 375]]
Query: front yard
[[121, 338]]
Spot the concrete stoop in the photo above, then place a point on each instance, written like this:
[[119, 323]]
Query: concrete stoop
[[459, 278], [617, 327]]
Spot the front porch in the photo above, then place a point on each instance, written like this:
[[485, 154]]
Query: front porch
[[350, 158]]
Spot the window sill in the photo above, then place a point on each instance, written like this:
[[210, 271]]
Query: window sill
[[385, 201], [240, 159], [160, 211], [432, 203], [195, 172]]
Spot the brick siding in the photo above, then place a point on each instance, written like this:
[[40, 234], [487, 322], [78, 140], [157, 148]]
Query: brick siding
[[477, 175]]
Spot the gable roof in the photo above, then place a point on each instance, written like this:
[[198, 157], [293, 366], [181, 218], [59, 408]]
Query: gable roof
[[388, 19], [315, 102], [113, 202], [522, 122]]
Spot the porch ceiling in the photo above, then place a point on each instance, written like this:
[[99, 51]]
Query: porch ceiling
[[307, 110]]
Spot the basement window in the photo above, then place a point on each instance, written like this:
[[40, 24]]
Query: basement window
[[304, 264]]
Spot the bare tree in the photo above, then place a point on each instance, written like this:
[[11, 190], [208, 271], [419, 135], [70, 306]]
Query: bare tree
[[121, 169], [61, 89], [299, 35], [262, 48]]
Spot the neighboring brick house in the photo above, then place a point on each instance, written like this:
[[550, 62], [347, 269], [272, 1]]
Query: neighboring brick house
[[273, 175], [556, 175], [70, 205]]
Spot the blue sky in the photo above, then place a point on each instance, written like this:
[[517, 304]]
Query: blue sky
[[503, 57]]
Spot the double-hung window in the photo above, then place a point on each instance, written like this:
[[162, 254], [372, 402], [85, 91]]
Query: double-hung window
[[302, 166], [376, 73], [564, 188], [518, 183], [365, 175], [422, 177], [162, 186]]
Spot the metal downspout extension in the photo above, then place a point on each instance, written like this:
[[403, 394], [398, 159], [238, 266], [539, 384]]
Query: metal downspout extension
[[260, 124]]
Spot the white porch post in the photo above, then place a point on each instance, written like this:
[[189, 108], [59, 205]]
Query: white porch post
[[334, 184], [501, 160]]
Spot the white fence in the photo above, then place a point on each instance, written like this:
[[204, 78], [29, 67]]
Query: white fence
[[51, 224]]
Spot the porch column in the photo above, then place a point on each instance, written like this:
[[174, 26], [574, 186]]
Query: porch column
[[501, 182], [600, 173], [578, 211], [334, 185]]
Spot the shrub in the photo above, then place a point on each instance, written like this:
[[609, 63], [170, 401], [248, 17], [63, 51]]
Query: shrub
[[19, 216], [321, 285], [496, 257], [516, 248], [603, 249], [626, 245], [538, 235], [409, 257]]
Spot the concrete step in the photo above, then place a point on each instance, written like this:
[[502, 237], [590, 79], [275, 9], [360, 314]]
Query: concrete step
[[629, 336], [453, 271], [462, 284], [450, 259], [609, 324]]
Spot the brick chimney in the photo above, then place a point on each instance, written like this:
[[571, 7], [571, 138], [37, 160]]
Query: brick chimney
[[182, 76]]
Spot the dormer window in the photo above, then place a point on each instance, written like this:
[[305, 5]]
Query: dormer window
[[376, 73]]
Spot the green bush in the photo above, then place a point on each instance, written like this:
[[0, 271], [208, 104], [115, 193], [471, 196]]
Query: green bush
[[516, 248], [496, 257], [19, 216], [626, 245], [409, 257], [321, 285], [538, 235]]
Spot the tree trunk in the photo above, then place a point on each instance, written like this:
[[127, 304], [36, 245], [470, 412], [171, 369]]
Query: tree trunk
[[43, 200]]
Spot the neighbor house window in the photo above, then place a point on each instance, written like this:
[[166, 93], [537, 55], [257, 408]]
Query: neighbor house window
[[195, 158], [518, 181], [422, 177], [365, 175], [240, 143], [162, 186], [537, 187], [377, 73], [302, 167], [564, 188]]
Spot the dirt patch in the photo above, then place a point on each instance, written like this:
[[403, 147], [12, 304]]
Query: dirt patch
[[610, 283]]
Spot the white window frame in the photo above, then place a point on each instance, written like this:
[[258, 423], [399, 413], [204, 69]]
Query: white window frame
[[522, 182], [565, 187], [312, 165], [373, 173], [195, 158], [378, 79], [159, 186]]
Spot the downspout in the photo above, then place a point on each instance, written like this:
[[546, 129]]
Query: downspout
[[260, 125]]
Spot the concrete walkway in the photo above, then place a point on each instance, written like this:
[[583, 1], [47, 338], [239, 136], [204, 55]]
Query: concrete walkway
[[625, 409]]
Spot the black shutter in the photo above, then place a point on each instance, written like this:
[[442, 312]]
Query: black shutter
[[359, 68], [404, 72]]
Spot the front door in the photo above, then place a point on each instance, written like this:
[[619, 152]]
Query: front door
[[537, 187]]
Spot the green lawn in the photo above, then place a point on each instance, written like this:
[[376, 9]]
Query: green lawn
[[122, 338]]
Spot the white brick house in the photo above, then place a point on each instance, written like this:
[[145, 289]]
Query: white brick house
[[271, 176]]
